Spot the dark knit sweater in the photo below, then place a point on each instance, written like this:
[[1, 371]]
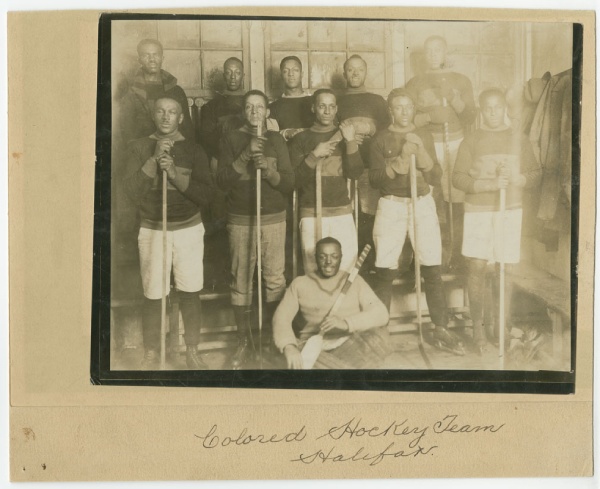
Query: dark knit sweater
[[367, 111], [146, 191], [137, 106], [335, 169], [478, 158], [222, 114], [292, 112], [241, 187], [426, 92], [385, 147]]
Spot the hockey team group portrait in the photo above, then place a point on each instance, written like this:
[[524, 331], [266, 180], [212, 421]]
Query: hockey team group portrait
[[341, 194]]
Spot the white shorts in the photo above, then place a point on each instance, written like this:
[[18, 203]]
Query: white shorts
[[485, 238], [339, 227], [394, 221], [185, 252], [457, 195]]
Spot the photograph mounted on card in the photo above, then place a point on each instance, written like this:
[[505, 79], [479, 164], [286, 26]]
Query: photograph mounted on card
[[376, 204]]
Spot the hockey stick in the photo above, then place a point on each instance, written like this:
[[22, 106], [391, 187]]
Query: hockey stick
[[259, 249], [352, 186], [294, 234], [448, 165], [312, 348], [319, 201], [502, 318], [413, 196], [163, 299]]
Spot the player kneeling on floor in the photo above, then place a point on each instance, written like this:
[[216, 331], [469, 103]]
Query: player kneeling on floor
[[354, 337]]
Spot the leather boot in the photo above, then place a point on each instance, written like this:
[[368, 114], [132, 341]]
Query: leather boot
[[193, 359], [151, 331], [245, 351]]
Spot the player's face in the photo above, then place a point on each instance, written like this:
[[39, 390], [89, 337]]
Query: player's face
[[255, 110], [402, 110], [325, 109], [329, 257], [233, 72], [150, 57], [355, 73], [493, 110], [291, 74], [167, 116], [435, 54]]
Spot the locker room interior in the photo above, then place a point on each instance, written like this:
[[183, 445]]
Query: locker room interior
[[492, 55]]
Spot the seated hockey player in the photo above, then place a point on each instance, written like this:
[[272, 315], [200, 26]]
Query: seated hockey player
[[356, 333]]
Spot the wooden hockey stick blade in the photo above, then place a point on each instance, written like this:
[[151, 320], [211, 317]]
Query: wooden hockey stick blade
[[424, 355], [311, 351]]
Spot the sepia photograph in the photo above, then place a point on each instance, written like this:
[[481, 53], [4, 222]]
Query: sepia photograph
[[307, 194], [302, 244]]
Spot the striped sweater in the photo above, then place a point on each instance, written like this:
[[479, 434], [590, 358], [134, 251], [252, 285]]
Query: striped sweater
[[143, 184], [345, 162], [386, 147], [480, 155], [241, 187], [426, 91]]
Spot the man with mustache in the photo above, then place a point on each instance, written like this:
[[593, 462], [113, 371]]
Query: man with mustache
[[336, 150], [356, 333], [368, 113]]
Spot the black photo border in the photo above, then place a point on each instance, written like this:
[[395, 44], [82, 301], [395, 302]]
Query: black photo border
[[465, 381]]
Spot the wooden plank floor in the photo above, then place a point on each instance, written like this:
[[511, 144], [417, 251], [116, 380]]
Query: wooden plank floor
[[406, 356]]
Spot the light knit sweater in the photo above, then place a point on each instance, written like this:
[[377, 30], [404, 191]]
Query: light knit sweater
[[313, 296]]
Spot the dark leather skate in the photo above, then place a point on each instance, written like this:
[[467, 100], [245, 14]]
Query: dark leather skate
[[445, 340], [243, 354], [193, 360]]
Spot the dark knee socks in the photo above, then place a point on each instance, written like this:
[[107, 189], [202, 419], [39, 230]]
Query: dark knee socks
[[151, 323], [435, 294], [191, 312], [384, 278]]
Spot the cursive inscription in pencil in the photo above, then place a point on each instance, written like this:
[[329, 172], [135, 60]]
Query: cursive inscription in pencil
[[354, 440]]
